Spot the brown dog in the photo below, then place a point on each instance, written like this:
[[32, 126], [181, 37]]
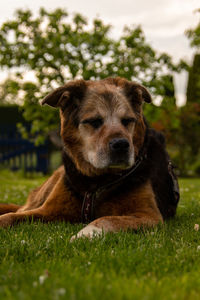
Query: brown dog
[[116, 172]]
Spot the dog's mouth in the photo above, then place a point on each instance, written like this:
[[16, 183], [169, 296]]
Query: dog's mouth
[[119, 161]]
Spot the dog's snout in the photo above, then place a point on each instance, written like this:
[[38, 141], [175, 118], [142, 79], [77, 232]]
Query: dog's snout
[[119, 144]]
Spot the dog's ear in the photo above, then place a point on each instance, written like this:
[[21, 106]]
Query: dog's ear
[[65, 94], [137, 93]]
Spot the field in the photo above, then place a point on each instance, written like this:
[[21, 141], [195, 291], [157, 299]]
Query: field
[[37, 261]]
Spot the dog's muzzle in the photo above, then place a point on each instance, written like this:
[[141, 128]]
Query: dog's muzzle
[[119, 152]]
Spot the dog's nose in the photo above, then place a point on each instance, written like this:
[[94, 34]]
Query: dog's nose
[[119, 144]]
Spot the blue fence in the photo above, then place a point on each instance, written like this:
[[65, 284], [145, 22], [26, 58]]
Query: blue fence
[[18, 153]]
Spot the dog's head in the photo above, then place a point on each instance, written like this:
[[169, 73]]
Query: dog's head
[[102, 125]]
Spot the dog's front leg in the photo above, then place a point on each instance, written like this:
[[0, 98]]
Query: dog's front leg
[[10, 219], [117, 223], [59, 205]]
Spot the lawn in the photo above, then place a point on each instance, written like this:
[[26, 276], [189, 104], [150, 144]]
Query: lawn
[[37, 261]]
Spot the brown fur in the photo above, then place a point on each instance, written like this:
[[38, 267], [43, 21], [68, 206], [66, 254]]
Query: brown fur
[[113, 100]]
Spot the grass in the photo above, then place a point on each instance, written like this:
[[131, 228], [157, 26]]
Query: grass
[[37, 261]]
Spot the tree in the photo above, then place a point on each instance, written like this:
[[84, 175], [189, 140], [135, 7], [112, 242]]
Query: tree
[[8, 92], [190, 116], [58, 49], [183, 128], [193, 87], [182, 124], [194, 35]]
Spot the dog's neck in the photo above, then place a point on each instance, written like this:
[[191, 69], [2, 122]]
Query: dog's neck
[[81, 183]]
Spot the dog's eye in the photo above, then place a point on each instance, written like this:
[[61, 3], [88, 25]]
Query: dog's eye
[[127, 121], [95, 123]]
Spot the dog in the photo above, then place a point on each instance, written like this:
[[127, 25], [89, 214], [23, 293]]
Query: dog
[[116, 173]]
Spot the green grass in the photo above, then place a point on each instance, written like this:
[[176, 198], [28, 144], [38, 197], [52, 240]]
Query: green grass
[[37, 261]]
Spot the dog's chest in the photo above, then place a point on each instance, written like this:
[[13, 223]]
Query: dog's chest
[[124, 203]]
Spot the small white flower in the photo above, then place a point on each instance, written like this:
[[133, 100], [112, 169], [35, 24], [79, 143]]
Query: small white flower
[[35, 284], [42, 278], [23, 242], [198, 248], [61, 291], [49, 240], [196, 227]]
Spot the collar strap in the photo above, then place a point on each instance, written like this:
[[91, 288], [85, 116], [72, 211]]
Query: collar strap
[[92, 198]]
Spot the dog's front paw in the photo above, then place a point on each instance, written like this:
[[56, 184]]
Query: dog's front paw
[[6, 220], [90, 231]]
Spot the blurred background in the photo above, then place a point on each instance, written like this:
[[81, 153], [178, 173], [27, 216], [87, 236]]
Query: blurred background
[[44, 44]]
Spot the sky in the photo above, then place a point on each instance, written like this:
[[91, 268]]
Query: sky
[[163, 22]]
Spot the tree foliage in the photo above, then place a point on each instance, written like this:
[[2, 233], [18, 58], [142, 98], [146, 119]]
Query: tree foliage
[[190, 114], [194, 35], [193, 87], [57, 48]]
